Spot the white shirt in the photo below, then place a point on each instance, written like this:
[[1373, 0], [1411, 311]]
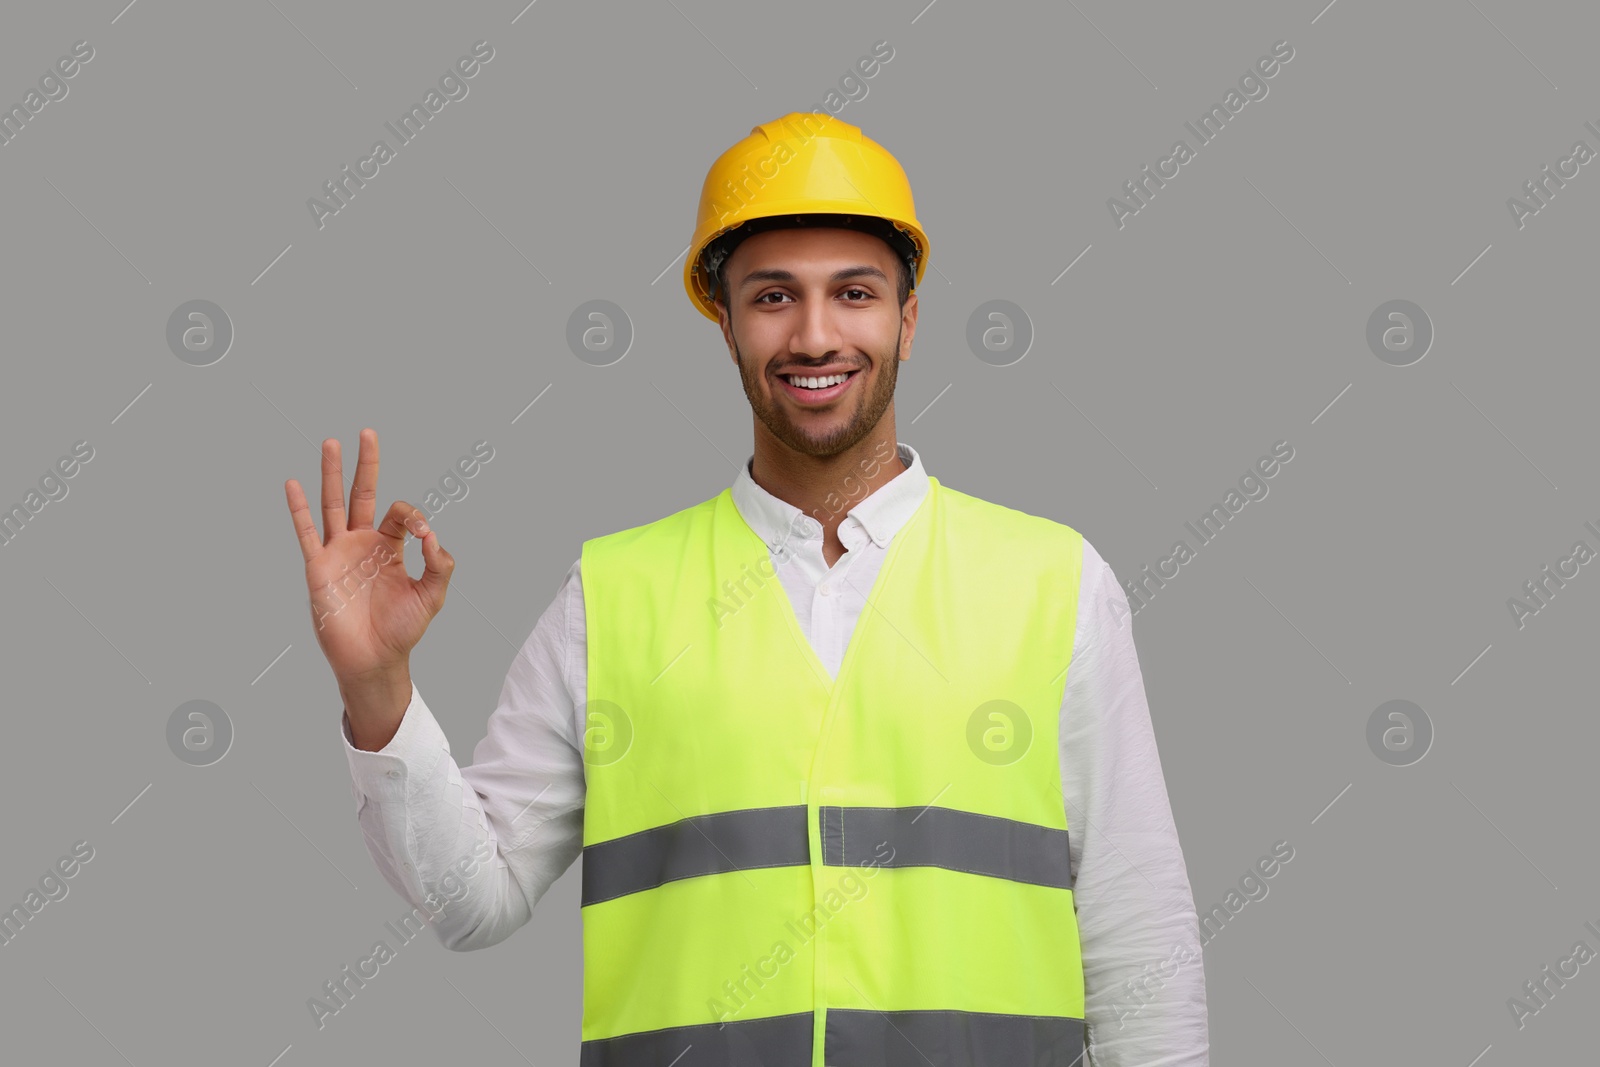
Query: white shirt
[[523, 794]]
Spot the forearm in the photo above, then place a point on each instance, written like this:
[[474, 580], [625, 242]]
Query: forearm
[[1144, 983], [430, 839]]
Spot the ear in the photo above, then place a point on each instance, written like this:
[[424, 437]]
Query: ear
[[908, 325], [725, 320]]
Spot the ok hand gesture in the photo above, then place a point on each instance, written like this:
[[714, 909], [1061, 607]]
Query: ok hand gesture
[[368, 612]]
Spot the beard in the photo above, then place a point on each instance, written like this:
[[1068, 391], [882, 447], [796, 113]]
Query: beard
[[869, 409]]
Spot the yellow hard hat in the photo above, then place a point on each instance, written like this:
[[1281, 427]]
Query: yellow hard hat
[[802, 164]]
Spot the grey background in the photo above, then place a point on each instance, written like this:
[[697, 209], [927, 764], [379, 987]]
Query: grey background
[[1228, 315]]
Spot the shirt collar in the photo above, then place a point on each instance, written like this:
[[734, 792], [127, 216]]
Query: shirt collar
[[880, 514]]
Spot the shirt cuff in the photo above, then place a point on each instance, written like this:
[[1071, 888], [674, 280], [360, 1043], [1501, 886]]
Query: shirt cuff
[[415, 746]]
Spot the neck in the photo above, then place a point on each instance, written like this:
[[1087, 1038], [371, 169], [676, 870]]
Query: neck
[[827, 487]]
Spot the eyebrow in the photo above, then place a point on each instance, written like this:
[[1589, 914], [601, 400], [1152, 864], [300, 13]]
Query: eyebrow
[[774, 274]]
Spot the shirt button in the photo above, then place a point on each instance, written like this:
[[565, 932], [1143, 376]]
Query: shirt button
[[823, 589], [392, 774]]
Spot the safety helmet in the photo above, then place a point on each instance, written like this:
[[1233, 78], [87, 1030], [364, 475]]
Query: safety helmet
[[803, 169]]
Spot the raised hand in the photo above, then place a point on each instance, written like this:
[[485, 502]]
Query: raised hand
[[367, 611]]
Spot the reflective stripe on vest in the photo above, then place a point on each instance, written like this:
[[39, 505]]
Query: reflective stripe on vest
[[776, 837], [882, 1039], [782, 867]]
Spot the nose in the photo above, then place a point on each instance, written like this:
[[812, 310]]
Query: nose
[[816, 331]]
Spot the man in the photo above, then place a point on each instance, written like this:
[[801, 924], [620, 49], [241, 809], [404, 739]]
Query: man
[[860, 765]]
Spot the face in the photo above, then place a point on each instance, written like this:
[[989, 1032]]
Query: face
[[817, 302]]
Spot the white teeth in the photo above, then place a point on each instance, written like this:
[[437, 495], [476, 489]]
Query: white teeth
[[818, 383]]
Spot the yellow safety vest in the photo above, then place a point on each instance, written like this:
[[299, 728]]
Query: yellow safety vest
[[788, 869]]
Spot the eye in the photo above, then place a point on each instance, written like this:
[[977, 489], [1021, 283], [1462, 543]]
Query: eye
[[863, 292], [763, 297]]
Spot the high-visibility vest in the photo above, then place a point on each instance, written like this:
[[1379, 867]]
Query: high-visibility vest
[[787, 869]]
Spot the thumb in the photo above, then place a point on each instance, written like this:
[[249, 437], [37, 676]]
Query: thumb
[[437, 566]]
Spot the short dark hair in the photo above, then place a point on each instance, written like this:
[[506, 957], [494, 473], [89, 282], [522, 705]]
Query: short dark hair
[[721, 249]]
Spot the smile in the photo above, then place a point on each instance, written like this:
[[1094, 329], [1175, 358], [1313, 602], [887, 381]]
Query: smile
[[817, 390]]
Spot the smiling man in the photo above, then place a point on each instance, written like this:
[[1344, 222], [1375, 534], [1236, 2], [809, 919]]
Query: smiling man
[[900, 806]]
